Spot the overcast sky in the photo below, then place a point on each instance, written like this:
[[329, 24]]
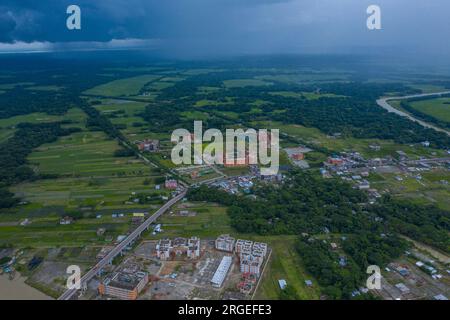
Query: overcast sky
[[221, 27]]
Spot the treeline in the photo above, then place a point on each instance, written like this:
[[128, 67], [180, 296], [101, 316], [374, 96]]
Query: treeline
[[340, 281], [19, 101], [14, 152], [307, 203], [425, 223], [98, 122]]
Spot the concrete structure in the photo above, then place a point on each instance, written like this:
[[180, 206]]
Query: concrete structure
[[193, 250], [251, 264], [124, 286], [251, 256], [179, 246], [298, 156], [225, 243], [66, 221], [259, 249], [282, 283], [243, 246], [335, 161], [163, 249], [402, 287], [171, 184], [221, 272], [149, 145]]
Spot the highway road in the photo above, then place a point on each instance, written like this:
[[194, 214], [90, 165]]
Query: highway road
[[121, 246], [384, 103]]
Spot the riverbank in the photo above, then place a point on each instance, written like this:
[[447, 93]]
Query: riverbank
[[384, 103], [17, 289]]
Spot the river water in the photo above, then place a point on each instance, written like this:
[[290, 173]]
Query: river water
[[17, 289]]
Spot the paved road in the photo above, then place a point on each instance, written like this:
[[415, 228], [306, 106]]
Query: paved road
[[434, 160], [384, 103], [121, 246]]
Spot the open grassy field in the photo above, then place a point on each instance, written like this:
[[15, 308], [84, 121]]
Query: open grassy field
[[428, 88], [307, 95], [74, 193], [89, 174], [285, 264], [90, 180], [204, 102], [47, 232], [237, 83], [437, 108], [123, 87], [9, 86], [7, 126], [135, 127], [211, 220], [44, 88], [296, 77], [85, 154]]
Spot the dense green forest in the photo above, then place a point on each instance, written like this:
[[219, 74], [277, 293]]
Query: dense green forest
[[361, 250], [20, 101], [308, 203]]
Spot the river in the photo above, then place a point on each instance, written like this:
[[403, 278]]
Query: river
[[384, 103], [17, 289]]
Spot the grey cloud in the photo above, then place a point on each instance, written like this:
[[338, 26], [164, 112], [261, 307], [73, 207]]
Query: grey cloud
[[233, 26]]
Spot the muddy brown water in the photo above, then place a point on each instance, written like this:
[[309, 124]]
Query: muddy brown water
[[17, 289]]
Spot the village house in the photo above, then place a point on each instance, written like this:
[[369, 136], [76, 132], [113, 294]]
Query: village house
[[148, 145]]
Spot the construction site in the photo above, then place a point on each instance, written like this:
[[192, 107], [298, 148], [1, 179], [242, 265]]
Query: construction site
[[187, 268]]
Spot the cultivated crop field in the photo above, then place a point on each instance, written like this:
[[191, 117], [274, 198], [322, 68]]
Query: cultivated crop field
[[47, 232], [85, 154]]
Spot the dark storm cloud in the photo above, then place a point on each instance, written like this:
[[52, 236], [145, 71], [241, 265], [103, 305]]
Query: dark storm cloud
[[231, 26]]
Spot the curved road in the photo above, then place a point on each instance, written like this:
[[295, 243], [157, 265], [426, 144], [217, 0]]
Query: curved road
[[384, 103]]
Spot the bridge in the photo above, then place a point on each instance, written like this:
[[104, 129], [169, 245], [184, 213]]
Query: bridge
[[69, 294]]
